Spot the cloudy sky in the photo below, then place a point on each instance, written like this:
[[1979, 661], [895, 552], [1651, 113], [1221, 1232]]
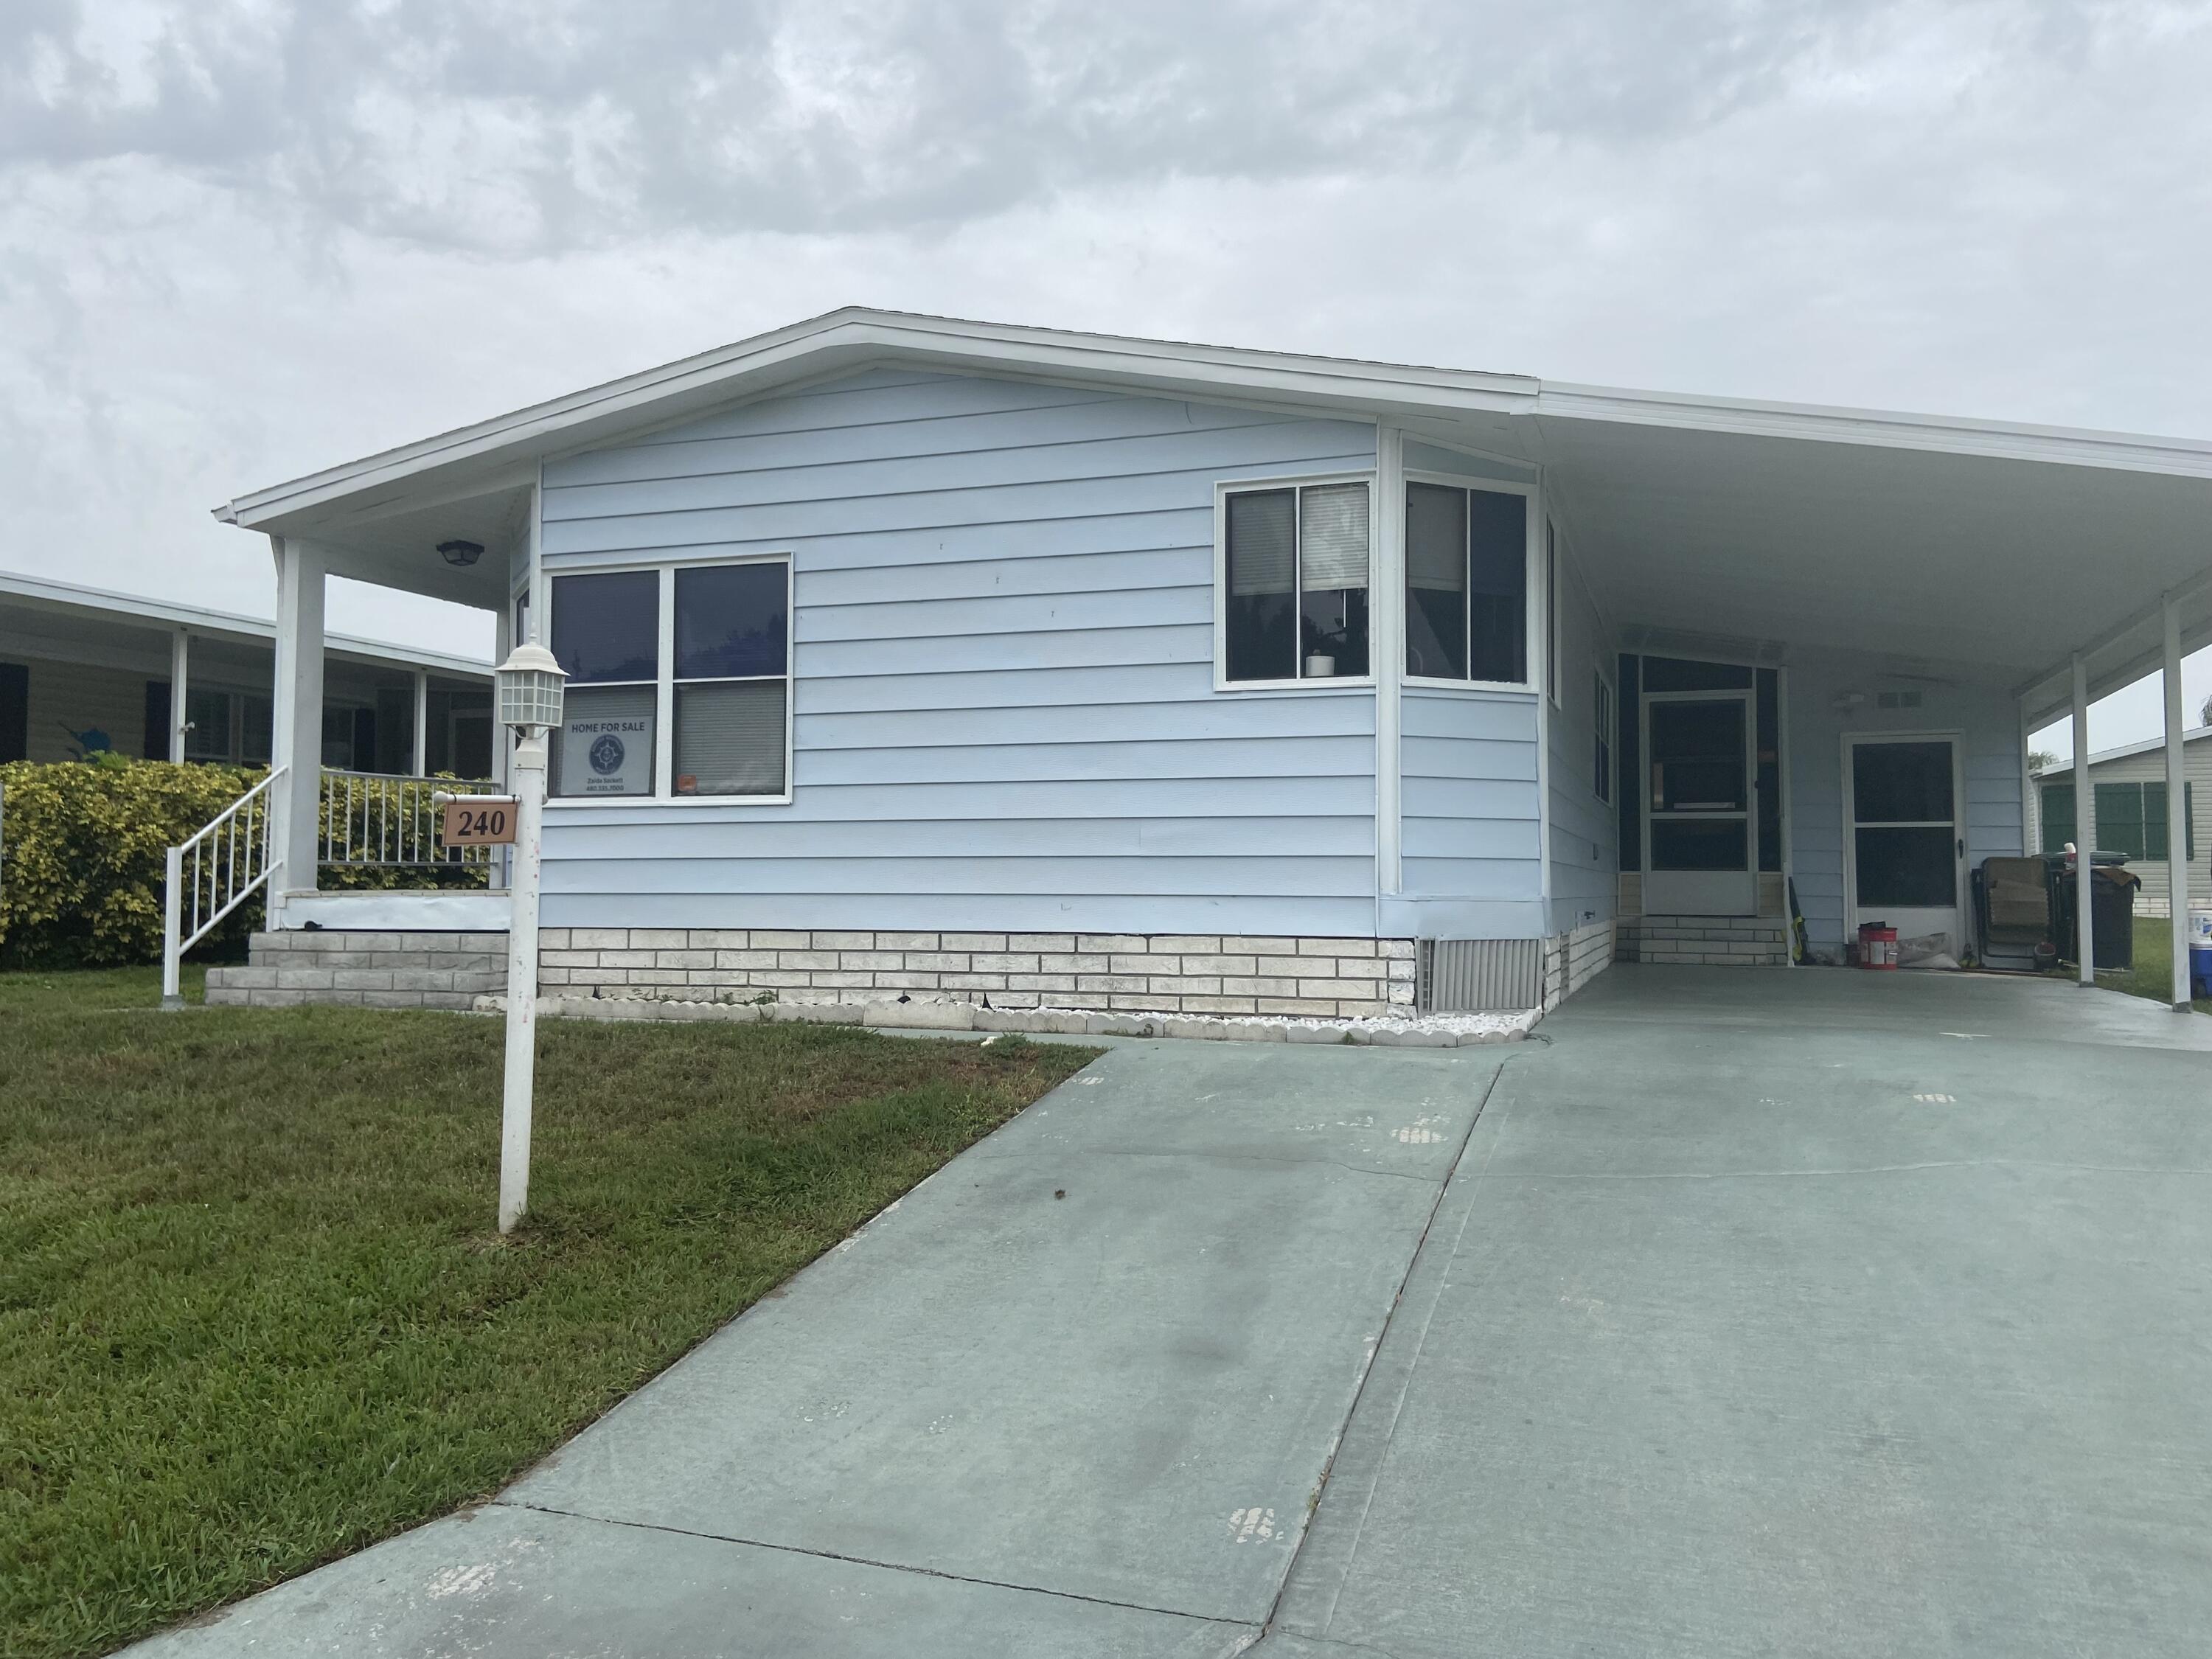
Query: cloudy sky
[[242, 241]]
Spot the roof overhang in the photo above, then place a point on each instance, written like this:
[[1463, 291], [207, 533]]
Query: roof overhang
[[1984, 549], [66, 612]]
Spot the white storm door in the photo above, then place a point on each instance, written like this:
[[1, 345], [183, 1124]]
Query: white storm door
[[1906, 852], [1700, 845]]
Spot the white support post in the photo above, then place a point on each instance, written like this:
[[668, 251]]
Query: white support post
[[2177, 809], [173, 913], [2085, 831], [296, 733], [536, 587], [419, 762], [522, 980], [180, 652]]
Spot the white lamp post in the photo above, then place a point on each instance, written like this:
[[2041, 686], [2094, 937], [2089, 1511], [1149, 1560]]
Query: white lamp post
[[530, 683]]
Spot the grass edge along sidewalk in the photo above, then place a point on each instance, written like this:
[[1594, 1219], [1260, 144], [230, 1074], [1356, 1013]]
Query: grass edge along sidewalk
[[254, 1312]]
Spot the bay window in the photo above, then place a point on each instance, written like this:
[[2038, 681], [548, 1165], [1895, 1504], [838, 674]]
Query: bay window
[[679, 682], [1294, 582], [1467, 584]]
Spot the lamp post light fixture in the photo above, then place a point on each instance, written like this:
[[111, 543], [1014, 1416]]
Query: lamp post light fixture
[[529, 682]]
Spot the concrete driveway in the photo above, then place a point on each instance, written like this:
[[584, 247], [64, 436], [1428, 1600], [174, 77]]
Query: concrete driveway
[[1759, 1312]]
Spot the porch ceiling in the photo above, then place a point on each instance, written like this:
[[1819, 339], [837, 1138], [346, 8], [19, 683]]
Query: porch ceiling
[[1995, 566]]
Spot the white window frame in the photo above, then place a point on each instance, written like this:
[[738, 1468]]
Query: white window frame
[[1222, 490], [1552, 653], [1606, 729], [1535, 659], [663, 702]]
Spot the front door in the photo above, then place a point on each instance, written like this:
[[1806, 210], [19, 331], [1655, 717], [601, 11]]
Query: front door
[[1699, 851], [1907, 845]]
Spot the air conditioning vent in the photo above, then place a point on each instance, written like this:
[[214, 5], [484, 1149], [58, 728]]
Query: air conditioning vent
[[1898, 699]]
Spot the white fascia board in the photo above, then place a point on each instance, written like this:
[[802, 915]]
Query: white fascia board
[[97, 604], [1880, 428], [856, 339]]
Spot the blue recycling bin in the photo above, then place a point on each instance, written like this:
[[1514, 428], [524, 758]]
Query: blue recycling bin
[[2200, 970]]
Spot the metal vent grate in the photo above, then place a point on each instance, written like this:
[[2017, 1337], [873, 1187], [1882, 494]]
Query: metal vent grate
[[1468, 975]]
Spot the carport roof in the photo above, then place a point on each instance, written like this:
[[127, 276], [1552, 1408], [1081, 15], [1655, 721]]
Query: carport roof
[[1986, 549]]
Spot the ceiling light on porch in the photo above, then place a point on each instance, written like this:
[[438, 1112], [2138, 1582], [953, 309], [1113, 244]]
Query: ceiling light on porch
[[460, 553]]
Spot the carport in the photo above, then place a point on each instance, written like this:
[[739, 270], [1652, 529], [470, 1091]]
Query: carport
[[1884, 606]]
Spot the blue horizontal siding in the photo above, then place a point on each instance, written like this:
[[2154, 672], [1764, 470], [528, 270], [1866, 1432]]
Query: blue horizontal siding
[[1467, 796], [1003, 710]]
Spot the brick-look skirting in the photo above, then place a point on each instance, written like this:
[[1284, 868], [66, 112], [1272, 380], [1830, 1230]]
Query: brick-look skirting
[[1711, 941], [1572, 959], [363, 969], [1159, 973]]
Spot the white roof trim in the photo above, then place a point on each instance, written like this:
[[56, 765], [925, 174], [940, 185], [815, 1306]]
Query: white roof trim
[[1881, 429], [855, 338], [2126, 751], [862, 336], [100, 603]]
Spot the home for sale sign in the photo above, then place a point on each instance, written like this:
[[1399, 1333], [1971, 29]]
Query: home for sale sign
[[612, 756]]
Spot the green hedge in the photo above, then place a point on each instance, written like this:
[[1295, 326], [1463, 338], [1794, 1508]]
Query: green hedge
[[83, 848]]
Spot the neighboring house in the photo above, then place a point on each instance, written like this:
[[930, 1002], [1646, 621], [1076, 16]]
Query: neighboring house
[[2130, 813], [83, 669], [918, 657]]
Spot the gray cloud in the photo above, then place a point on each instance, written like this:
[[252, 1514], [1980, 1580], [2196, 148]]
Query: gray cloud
[[241, 240], [522, 127]]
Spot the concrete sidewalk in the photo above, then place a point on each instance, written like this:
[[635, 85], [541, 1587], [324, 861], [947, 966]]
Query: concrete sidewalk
[[1074, 1395]]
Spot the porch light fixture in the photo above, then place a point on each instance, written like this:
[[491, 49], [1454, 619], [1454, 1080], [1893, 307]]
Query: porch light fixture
[[461, 555], [530, 683]]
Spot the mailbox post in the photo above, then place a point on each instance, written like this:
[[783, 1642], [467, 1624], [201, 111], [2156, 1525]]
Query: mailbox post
[[530, 683]]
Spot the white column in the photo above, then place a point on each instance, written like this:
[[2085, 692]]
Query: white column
[[180, 652], [296, 735], [2085, 830], [2177, 809], [420, 764]]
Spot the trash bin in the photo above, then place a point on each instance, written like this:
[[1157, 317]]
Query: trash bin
[[2200, 970], [2112, 912]]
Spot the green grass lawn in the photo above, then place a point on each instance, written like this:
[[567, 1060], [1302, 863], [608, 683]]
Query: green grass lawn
[[253, 1310], [2152, 977]]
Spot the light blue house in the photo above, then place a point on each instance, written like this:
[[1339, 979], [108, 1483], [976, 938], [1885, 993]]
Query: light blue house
[[919, 658]]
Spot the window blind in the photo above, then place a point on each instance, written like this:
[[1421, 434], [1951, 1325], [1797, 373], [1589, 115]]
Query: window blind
[[1435, 538], [1333, 536], [1263, 543], [729, 738]]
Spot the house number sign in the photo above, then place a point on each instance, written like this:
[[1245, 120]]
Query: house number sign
[[478, 821]]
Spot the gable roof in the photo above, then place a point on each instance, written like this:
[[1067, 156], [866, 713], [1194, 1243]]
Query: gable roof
[[1938, 541], [855, 338]]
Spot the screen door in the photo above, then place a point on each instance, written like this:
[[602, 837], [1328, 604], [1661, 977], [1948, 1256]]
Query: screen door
[[1907, 843], [1698, 844]]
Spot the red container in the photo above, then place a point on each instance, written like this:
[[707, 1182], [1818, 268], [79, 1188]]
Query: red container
[[1877, 945]]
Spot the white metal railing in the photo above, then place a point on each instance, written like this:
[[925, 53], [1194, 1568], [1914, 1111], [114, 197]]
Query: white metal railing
[[374, 819], [211, 875]]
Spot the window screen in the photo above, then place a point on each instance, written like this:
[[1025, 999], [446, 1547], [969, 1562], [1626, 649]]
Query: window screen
[[1467, 584], [732, 652], [1295, 577]]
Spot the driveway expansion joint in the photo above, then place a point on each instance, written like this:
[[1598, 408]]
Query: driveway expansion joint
[[869, 1561], [1367, 1376]]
